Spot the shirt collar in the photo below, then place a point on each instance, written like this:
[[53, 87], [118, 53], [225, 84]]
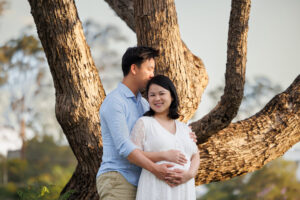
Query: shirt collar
[[127, 92]]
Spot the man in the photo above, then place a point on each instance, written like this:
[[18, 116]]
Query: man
[[117, 177]]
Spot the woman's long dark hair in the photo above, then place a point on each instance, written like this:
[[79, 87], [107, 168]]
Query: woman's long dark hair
[[166, 83]]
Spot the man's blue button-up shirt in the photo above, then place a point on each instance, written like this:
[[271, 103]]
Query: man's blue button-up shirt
[[118, 114]]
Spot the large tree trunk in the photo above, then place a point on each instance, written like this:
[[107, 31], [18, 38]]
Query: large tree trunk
[[240, 148], [79, 92], [156, 26]]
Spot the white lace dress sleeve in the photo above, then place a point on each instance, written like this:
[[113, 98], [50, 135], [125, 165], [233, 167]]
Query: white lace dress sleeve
[[138, 134]]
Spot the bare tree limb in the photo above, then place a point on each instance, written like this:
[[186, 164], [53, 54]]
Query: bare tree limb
[[248, 145], [227, 108], [124, 9]]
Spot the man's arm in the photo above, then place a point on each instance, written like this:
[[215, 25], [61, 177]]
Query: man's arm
[[193, 135], [114, 118], [161, 171]]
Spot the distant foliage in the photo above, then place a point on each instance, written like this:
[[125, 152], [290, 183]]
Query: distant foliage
[[276, 180], [2, 5], [43, 173], [257, 93]]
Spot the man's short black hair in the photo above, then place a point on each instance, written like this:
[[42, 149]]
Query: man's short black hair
[[166, 83], [137, 55]]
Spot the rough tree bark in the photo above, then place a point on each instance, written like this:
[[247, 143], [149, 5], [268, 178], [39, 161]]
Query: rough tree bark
[[249, 144], [156, 26], [155, 23], [225, 152], [78, 90]]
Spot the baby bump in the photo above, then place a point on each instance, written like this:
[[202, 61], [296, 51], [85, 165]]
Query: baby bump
[[176, 166]]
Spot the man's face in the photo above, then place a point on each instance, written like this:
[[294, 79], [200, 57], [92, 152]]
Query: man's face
[[145, 72]]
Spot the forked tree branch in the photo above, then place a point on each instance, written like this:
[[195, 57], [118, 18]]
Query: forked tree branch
[[248, 145], [227, 108]]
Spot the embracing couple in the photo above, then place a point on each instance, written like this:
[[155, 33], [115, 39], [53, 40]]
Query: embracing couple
[[147, 153]]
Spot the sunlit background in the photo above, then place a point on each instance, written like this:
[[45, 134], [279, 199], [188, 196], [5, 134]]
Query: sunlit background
[[34, 154]]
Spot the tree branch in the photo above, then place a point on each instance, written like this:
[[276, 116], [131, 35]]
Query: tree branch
[[179, 63], [248, 145], [221, 116], [124, 9]]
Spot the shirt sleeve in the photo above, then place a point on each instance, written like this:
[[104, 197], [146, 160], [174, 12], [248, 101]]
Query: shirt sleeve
[[138, 134], [115, 119]]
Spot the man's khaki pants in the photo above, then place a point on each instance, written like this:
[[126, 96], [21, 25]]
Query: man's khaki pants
[[113, 186]]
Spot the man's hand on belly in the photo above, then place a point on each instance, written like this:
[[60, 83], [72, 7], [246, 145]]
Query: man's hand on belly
[[178, 176]]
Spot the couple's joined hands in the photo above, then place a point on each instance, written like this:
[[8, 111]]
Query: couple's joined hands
[[177, 177], [173, 177]]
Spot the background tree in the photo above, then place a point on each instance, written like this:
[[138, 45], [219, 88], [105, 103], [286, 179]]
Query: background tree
[[2, 5], [24, 84], [102, 41], [226, 149]]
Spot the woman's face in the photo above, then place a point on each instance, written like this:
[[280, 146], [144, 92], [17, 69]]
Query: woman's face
[[159, 99]]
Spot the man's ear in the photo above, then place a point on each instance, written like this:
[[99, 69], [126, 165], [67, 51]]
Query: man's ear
[[133, 69]]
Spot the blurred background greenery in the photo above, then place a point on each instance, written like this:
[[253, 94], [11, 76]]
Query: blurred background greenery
[[40, 162], [45, 164]]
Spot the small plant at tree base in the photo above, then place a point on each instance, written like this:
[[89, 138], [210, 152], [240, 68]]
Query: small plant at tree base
[[42, 192]]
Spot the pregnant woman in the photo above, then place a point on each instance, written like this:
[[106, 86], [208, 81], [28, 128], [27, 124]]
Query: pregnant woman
[[158, 130]]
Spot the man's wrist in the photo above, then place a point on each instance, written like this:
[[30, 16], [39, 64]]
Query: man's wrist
[[152, 168]]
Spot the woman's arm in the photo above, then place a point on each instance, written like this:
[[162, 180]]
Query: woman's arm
[[195, 163], [138, 137], [170, 155]]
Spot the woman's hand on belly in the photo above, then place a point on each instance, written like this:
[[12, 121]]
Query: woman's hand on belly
[[175, 156]]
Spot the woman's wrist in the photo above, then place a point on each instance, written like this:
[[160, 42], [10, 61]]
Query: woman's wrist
[[163, 155], [192, 173]]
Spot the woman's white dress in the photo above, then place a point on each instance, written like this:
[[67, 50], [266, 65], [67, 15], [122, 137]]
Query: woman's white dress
[[150, 136]]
